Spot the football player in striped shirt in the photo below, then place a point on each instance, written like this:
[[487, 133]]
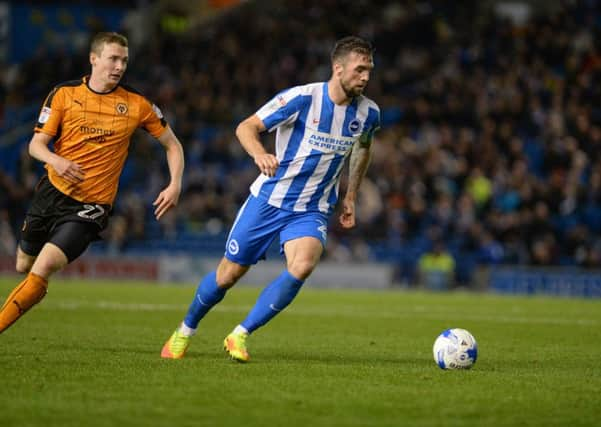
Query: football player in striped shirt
[[318, 126], [91, 121]]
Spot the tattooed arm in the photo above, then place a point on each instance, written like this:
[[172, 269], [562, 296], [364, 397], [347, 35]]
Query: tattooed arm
[[360, 158]]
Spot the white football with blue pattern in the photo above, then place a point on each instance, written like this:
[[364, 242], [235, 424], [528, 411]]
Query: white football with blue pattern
[[455, 349]]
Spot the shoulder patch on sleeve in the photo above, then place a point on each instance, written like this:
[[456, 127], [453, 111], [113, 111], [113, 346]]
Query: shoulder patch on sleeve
[[157, 111], [44, 115]]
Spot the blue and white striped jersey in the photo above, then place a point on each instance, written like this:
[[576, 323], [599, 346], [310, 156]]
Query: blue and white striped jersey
[[314, 136]]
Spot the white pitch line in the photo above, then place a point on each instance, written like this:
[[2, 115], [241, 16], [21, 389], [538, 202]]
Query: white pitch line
[[354, 311]]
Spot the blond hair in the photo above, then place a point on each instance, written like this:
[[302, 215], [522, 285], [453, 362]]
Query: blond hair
[[103, 38]]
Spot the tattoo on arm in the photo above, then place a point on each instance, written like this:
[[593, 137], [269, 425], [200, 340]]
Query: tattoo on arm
[[365, 140], [359, 162]]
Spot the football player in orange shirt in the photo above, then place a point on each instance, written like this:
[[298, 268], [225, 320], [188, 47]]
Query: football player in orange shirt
[[91, 121]]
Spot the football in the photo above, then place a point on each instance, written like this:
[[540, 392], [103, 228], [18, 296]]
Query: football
[[455, 349]]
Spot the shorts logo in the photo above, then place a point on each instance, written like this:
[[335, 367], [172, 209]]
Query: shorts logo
[[121, 108], [323, 229], [233, 247], [354, 125]]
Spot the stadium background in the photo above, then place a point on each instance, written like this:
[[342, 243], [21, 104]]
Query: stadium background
[[488, 161]]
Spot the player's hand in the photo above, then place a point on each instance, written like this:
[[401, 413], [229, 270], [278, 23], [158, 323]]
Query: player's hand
[[347, 218], [267, 163], [166, 199], [68, 170]]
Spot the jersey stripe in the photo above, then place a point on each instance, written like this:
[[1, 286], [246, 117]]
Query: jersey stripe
[[349, 115], [333, 169], [373, 121], [333, 198], [294, 143], [285, 110], [300, 180], [327, 111]]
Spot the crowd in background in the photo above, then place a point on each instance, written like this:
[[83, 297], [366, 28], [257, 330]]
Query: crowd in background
[[490, 148]]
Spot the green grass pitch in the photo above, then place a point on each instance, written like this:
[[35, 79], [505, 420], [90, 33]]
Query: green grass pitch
[[88, 355]]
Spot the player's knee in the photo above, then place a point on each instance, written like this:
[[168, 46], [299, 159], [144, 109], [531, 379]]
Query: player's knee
[[45, 268], [228, 274], [50, 260], [302, 268], [23, 261], [23, 265], [227, 279]]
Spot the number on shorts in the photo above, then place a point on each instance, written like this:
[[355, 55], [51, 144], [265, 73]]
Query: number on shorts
[[91, 212]]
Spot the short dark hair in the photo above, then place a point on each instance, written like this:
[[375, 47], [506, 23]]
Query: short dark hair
[[349, 44], [103, 38]]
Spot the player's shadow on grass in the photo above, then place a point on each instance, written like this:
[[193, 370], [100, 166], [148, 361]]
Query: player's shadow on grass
[[205, 350], [279, 357]]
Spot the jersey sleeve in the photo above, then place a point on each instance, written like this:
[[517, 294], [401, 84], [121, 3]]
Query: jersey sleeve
[[281, 109], [372, 124], [51, 115], [152, 119]]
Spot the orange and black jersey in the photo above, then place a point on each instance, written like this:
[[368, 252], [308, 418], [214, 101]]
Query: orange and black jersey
[[93, 130]]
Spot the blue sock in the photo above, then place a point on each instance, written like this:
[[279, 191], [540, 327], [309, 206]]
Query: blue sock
[[207, 295], [274, 298]]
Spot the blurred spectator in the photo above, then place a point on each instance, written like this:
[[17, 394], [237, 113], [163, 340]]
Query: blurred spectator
[[116, 236], [492, 129], [8, 242], [437, 268]]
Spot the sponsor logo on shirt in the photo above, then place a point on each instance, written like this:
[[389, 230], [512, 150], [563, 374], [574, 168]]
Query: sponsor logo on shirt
[[97, 134], [327, 142]]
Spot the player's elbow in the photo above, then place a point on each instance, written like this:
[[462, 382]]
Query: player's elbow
[[31, 148], [252, 126], [35, 146], [241, 129]]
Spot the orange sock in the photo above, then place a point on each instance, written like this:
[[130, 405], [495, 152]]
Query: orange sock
[[27, 294]]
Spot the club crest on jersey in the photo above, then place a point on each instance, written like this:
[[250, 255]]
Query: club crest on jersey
[[233, 247], [354, 126], [121, 108]]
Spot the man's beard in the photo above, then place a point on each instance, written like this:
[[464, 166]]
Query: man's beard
[[350, 92]]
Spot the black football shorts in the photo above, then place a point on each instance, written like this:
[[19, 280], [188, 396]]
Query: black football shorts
[[57, 218]]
